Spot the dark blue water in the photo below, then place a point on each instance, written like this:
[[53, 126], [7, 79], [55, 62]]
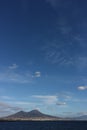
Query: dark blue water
[[44, 125]]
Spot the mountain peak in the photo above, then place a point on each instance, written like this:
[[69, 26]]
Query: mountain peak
[[35, 111]]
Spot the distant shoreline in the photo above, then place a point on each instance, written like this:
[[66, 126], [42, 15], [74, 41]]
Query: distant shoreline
[[23, 120]]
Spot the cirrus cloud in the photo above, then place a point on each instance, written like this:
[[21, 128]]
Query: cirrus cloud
[[37, 74], [7, 109], [47, 99], [82, 87], [61, 103], [13, 66]]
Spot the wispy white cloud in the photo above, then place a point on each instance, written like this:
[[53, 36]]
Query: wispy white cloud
[[60, 3], [47, 99], [61, 103], [74, 114], [81, 40], [65, 95], [24, 103], [79, 100], [82, 88], [64, 27], [6, 97], [14, 75], [37, 74], [81, 62], [60, 54], [60, 50], [10, 75], [82, 113], [69, 97], [13, 66], [69, 113]]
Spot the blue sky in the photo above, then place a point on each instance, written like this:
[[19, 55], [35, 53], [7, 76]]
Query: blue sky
[[43, 56]]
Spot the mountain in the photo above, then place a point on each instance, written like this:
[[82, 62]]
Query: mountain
[[32, 115]]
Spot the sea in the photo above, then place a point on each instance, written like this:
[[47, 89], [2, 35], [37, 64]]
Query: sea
[[43, 125]]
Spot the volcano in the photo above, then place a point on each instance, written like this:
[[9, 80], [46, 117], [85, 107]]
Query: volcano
[[32, 115]]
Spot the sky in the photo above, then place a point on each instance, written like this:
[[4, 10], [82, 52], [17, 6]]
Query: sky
[[43, 56]]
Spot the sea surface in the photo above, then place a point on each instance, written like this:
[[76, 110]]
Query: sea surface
[[44, 125]]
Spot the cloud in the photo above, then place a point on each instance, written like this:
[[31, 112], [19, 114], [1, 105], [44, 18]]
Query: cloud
[[61, 103], [69, 113], [13, 66], [15, 77], [81, 40], [60, 50], [7, 109], [23, 103], [66, 96], [82, 113], [47, 99], [82, 88], [60, 54], [73, 114], [9, 74], [79, 100], [2, 105], [6, 97], [81, 62], [60, 3], [37, 74]]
